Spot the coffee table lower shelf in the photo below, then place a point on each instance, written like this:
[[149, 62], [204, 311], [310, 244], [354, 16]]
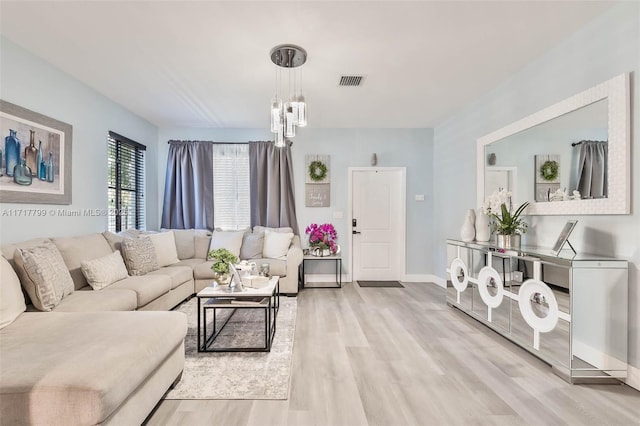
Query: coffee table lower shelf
[[269, 304]]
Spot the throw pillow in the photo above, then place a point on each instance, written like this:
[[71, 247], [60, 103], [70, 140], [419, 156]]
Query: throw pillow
[[104, 271], [165, 247], [276, 244], [185, 244], [114, 240], [230, 240], [139, 255], [252, 244], [45, 276], [11, 297]]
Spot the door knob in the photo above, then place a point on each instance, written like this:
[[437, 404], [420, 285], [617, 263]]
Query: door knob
[[356, 232]]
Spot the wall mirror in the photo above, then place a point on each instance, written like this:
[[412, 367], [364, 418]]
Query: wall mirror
[[579, 144]]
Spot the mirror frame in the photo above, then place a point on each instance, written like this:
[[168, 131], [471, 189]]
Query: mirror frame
[[616, 91]]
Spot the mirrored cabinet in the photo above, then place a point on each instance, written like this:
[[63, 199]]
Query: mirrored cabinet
[[568, 310]]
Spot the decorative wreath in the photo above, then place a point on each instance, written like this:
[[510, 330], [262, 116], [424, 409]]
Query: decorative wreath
[[549, 170], [317, 171]]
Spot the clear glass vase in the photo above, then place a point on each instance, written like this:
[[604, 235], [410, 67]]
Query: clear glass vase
[[22, 174]]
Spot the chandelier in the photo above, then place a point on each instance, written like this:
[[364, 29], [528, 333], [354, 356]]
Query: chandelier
[[286, 116]]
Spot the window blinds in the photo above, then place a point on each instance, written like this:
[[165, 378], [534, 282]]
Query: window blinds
[[231, 199]]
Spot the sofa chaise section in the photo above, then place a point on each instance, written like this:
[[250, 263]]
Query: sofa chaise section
[[82, 367]]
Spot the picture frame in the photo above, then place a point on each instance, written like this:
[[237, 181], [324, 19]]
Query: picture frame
[[52, 140], [563, 238]]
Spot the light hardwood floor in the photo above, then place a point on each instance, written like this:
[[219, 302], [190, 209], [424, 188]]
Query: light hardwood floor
[[389, 356]]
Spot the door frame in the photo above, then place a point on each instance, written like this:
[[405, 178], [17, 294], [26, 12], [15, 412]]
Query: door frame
[[403, 215]]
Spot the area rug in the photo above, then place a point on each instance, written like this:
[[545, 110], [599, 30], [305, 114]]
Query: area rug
[[239, 375], [379, 284]]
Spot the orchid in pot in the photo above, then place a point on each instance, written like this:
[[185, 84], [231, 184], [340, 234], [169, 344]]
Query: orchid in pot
[[507, 224], [322, 239]]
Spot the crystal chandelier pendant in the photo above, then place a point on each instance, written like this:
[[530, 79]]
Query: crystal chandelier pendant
[[279, 143], [276, 115], [302, 112], [289, 125]]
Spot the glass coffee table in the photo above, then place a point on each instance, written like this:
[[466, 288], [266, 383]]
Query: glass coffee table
[[212, 299]]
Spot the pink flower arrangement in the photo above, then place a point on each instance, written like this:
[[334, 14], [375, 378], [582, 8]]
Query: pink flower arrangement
[[322, 236]]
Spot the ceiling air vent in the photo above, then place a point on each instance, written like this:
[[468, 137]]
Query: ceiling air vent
[[351, 80]]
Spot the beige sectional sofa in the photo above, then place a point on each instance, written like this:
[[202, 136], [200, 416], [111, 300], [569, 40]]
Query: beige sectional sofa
[[91, 360]]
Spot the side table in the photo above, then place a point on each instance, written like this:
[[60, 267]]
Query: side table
[[336, 258]]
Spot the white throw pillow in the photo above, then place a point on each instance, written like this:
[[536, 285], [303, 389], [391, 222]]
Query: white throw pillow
[[44, 275], [276, 244], [164, 244], [11, 297], [230, 240], [104, 271]]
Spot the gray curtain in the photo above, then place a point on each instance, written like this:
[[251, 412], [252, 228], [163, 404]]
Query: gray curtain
[[272, 188], [592, 169], [188, 188]]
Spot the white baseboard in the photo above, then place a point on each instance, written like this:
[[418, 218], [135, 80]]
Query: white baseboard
[[425, 278], [633, 377]]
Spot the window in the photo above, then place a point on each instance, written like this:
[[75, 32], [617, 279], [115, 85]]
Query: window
[[126, 183], [231, 200]]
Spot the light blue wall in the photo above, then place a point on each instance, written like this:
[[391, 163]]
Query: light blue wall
[[410, 148], [32, 83], [606, 47]]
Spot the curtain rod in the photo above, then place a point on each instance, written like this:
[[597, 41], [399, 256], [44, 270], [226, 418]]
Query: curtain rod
[[578, 143], [225, 143]]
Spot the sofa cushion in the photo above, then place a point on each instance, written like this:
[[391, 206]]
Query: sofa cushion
[[114, 240], [44, 275], [276, 244], [104, 270], [76, 249], [252, 244], [185, 245], [284, 229], [230, 240], [78, 368], [191, 263], [147, 287], [201, 242], [178, 274], [164, 244], [203, 271], [139, 255], [11, 297], [88, 300]]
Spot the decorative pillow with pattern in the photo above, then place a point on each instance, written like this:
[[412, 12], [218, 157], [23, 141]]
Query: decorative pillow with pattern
[[105, 270], [45, 276], [139, 255]]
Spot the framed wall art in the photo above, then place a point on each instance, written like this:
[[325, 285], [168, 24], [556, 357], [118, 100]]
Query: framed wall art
[[36, 157], [317, 180]]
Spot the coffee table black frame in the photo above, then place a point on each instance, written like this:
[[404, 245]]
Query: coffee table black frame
[[269, 303]]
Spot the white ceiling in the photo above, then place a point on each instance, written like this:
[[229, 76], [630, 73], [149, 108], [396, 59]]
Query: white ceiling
[[206, 63]]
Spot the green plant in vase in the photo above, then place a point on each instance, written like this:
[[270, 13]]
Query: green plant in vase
[[220, 267], [505, 223]]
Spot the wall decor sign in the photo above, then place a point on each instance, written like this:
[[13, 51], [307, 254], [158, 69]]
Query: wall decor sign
[[317, 180], [547, 169], [35, 157]]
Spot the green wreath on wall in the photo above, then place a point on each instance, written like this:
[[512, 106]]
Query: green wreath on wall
[[549, 170], [317, 171]]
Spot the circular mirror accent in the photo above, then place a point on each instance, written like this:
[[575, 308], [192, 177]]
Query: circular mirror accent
[[489, 277], [459, 274], [535, 299]]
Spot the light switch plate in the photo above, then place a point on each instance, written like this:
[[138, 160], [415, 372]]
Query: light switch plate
[[337, 215], [419, 197]]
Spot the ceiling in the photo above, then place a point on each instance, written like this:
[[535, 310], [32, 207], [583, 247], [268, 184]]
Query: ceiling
[[206, 63]]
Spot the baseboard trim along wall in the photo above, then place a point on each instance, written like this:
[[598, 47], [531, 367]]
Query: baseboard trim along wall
[[633, 377], [325, 278]]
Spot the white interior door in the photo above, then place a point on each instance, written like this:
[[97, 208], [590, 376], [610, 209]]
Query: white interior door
[[378, 208]]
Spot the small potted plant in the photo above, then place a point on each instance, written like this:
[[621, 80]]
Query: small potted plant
[[220, 267], [322, 239], [506, 224]]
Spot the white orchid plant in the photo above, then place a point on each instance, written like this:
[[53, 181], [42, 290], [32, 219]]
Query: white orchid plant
[[500, 209]]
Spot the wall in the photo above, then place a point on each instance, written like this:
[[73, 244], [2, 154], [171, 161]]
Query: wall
[[606, 47], [32, 83], [411, 148]]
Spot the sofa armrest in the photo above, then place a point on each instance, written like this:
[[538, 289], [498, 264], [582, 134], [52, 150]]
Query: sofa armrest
[[289, 285]]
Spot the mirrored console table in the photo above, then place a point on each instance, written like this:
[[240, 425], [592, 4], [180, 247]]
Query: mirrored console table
[[568, 310]]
